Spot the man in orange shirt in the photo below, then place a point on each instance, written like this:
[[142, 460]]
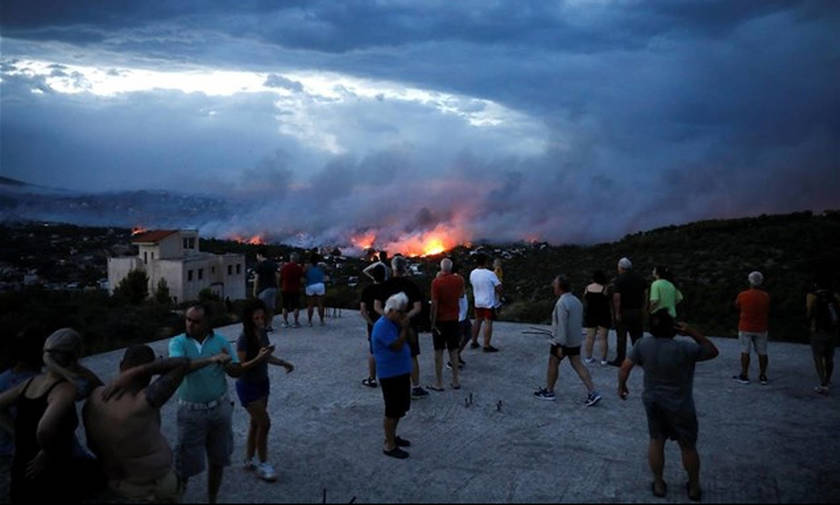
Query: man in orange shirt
[[447, 290], [754, 304]]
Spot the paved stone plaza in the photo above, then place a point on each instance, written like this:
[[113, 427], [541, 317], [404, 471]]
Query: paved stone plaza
[[774, 443]]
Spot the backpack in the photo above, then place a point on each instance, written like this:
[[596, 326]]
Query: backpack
[[826, 314]]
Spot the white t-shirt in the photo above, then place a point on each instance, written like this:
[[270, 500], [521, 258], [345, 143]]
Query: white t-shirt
[[484, 284]]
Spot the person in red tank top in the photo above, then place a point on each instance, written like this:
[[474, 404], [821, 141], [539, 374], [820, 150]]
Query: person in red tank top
[[754, 307]]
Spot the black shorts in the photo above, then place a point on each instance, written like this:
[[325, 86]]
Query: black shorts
[[397, 394], [680, 425], [449, 336], [414, 343], [291, 300], [567, 351], [370, 342]]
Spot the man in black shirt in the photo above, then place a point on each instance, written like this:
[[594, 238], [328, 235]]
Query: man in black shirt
[[366, 308], [628, 301], [265, 286], [401, 283]]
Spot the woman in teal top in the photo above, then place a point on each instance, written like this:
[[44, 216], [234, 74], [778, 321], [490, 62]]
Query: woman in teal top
[[663, 293]]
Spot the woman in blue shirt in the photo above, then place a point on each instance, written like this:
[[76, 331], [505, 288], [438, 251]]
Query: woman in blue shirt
[[315, 287]]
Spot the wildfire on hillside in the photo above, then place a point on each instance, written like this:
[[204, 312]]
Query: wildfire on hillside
[[255, 240], [137, 230], [428, 243]]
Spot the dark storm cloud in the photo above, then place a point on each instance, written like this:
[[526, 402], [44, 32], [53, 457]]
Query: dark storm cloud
[[659, 112]]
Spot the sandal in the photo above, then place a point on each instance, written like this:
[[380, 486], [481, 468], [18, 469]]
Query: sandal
[[435, 388], [455, 386], [664, 489]]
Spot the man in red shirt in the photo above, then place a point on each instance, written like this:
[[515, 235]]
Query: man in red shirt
[[447, 290], [290, 276], [754, 304]]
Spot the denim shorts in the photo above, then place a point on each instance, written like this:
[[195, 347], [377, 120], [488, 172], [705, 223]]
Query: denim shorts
[[203, 432]]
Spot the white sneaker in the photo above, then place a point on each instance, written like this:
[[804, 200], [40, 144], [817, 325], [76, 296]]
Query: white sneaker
[[266, 472], [589, 360], [249, 464], [603, 362]]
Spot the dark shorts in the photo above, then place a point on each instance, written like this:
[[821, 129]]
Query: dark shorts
[[291, 300], [414, 343], [397, 394], [483, 313], [449, 336], [567, 351], [370, 343], [823, 344], [680, 425], [252, 391]]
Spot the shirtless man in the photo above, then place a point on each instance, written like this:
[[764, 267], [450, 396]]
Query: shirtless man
[[122, 423]]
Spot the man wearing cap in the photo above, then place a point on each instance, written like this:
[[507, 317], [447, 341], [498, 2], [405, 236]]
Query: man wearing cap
[[754, 306], [204, 407], [628, 299]]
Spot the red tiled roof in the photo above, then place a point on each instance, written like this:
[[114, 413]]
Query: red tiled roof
[[152, 236]]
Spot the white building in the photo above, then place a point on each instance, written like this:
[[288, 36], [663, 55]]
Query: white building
[[173, 255]]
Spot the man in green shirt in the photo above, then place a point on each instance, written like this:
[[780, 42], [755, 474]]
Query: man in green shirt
[[663, 293], [204, 407]]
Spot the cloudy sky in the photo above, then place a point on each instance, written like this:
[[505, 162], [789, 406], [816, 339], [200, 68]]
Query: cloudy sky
[[567, 121]]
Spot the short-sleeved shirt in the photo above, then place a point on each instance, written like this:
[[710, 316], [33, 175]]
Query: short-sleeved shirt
[[669, 370], [567, 321], [8, 380], [632, 289], [314, 275], [484, 284], [267, 275], [396, 285], [389, 363], [290, 276], [754, 305], [369, 294], [666, 295], [208, 383], [259, 373], [446, 290]]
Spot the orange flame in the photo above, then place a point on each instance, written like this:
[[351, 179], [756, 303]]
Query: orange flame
[[255, 240], [441, 239], [137, 230], [364, 241]]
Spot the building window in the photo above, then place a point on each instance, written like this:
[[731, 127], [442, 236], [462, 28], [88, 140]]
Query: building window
[[200, 273], [145, 257], [192, 243], [153, 255], [186, 244], [213, 270], [238, 269], [189, 275], [230, 269]]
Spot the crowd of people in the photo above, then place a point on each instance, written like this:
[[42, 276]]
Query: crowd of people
[[127, 455]]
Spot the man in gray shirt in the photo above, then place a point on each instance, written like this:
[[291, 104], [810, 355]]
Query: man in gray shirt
[[566, 338], [667, 397]]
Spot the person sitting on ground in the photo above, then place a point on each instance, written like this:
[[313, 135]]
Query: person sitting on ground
[[663, 293], [596, 316], [822, 309], [255, 353], [43, 467], [566, 337], [315, 287], [447, 289], [754, 306], [668, 393], [368, 313], [393, 364], [122, 424]]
